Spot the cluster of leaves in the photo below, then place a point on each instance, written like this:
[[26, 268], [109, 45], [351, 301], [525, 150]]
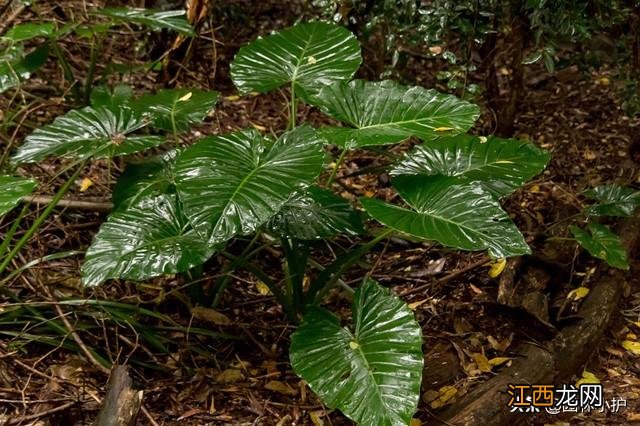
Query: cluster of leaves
[[600, 241], [174, 211]]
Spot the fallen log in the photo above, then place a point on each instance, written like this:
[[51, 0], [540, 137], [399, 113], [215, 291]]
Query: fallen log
[[553, 363], [122, 403]]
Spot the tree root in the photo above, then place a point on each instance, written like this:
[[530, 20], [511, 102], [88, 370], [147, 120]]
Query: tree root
[[554, 362]]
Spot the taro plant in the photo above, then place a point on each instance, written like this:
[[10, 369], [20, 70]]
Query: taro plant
[[174, 211]]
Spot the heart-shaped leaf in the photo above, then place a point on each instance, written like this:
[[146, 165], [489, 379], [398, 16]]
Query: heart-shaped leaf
[[307, 56], [153, 176], [14, 68], [12, 189], [89, 132], [614, 200], [603, 244], [464, 216], [501, 165], [371, 372], [386, 112], [231, 184], [176, 109], [314, 214], [147, 239], [175, 20]]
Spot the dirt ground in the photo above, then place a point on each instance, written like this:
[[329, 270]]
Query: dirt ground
[[194, 371]]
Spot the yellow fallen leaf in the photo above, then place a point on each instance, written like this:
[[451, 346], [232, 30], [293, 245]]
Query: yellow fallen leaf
[[254, 93], [631, 346], [482, 362], [230, 375], [259, 127], [354, 345], [311, 60], [262, 288], [85, 184], [415, 422], [588, 378], [436, 50], [369, 194], [631, 336], [497, 267], [534, 188], [280, 387], [445, 396], [603, 81], [186, 97], [578, 293], [414, 305], [316, 418], [232, 98], [504, 71], [483, 139], [210, 315], [494, 362], [443, 129]]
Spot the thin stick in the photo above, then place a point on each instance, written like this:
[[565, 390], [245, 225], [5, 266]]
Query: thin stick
[[96, 206], [23, 419]]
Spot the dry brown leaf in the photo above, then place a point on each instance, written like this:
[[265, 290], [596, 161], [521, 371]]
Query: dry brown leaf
[[230, 375], [280, 387], [210, 315], [316, 418]]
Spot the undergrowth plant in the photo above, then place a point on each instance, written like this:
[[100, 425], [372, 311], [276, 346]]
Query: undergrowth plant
[[173, 212]]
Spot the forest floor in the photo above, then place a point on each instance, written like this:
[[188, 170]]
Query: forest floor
[[237, 371]]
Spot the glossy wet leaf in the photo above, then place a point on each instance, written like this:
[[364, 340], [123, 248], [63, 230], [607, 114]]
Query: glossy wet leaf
[[231, 184], [29, 30], [502, 165], [88, 132], [179, 108], [145, 240], [174, 20], [370, 371], [15, 69], [116, 97], [12, 189], [465, 217], [153, 176], [314, 214], [386, 112], [308, 55], [600, 242], [613, 200]]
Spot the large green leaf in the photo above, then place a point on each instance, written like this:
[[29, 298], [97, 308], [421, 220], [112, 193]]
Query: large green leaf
[[371, 372], [308, 56], [29, 30], [153, 176], [89, 132], [117, 97], [386, 112], [177, 109], [148, 239], [14, 68], [314, 214], [175, 20], [502, 165], [614, 200], [231, 184], [603, 244], [463, 216], [12, 189]]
